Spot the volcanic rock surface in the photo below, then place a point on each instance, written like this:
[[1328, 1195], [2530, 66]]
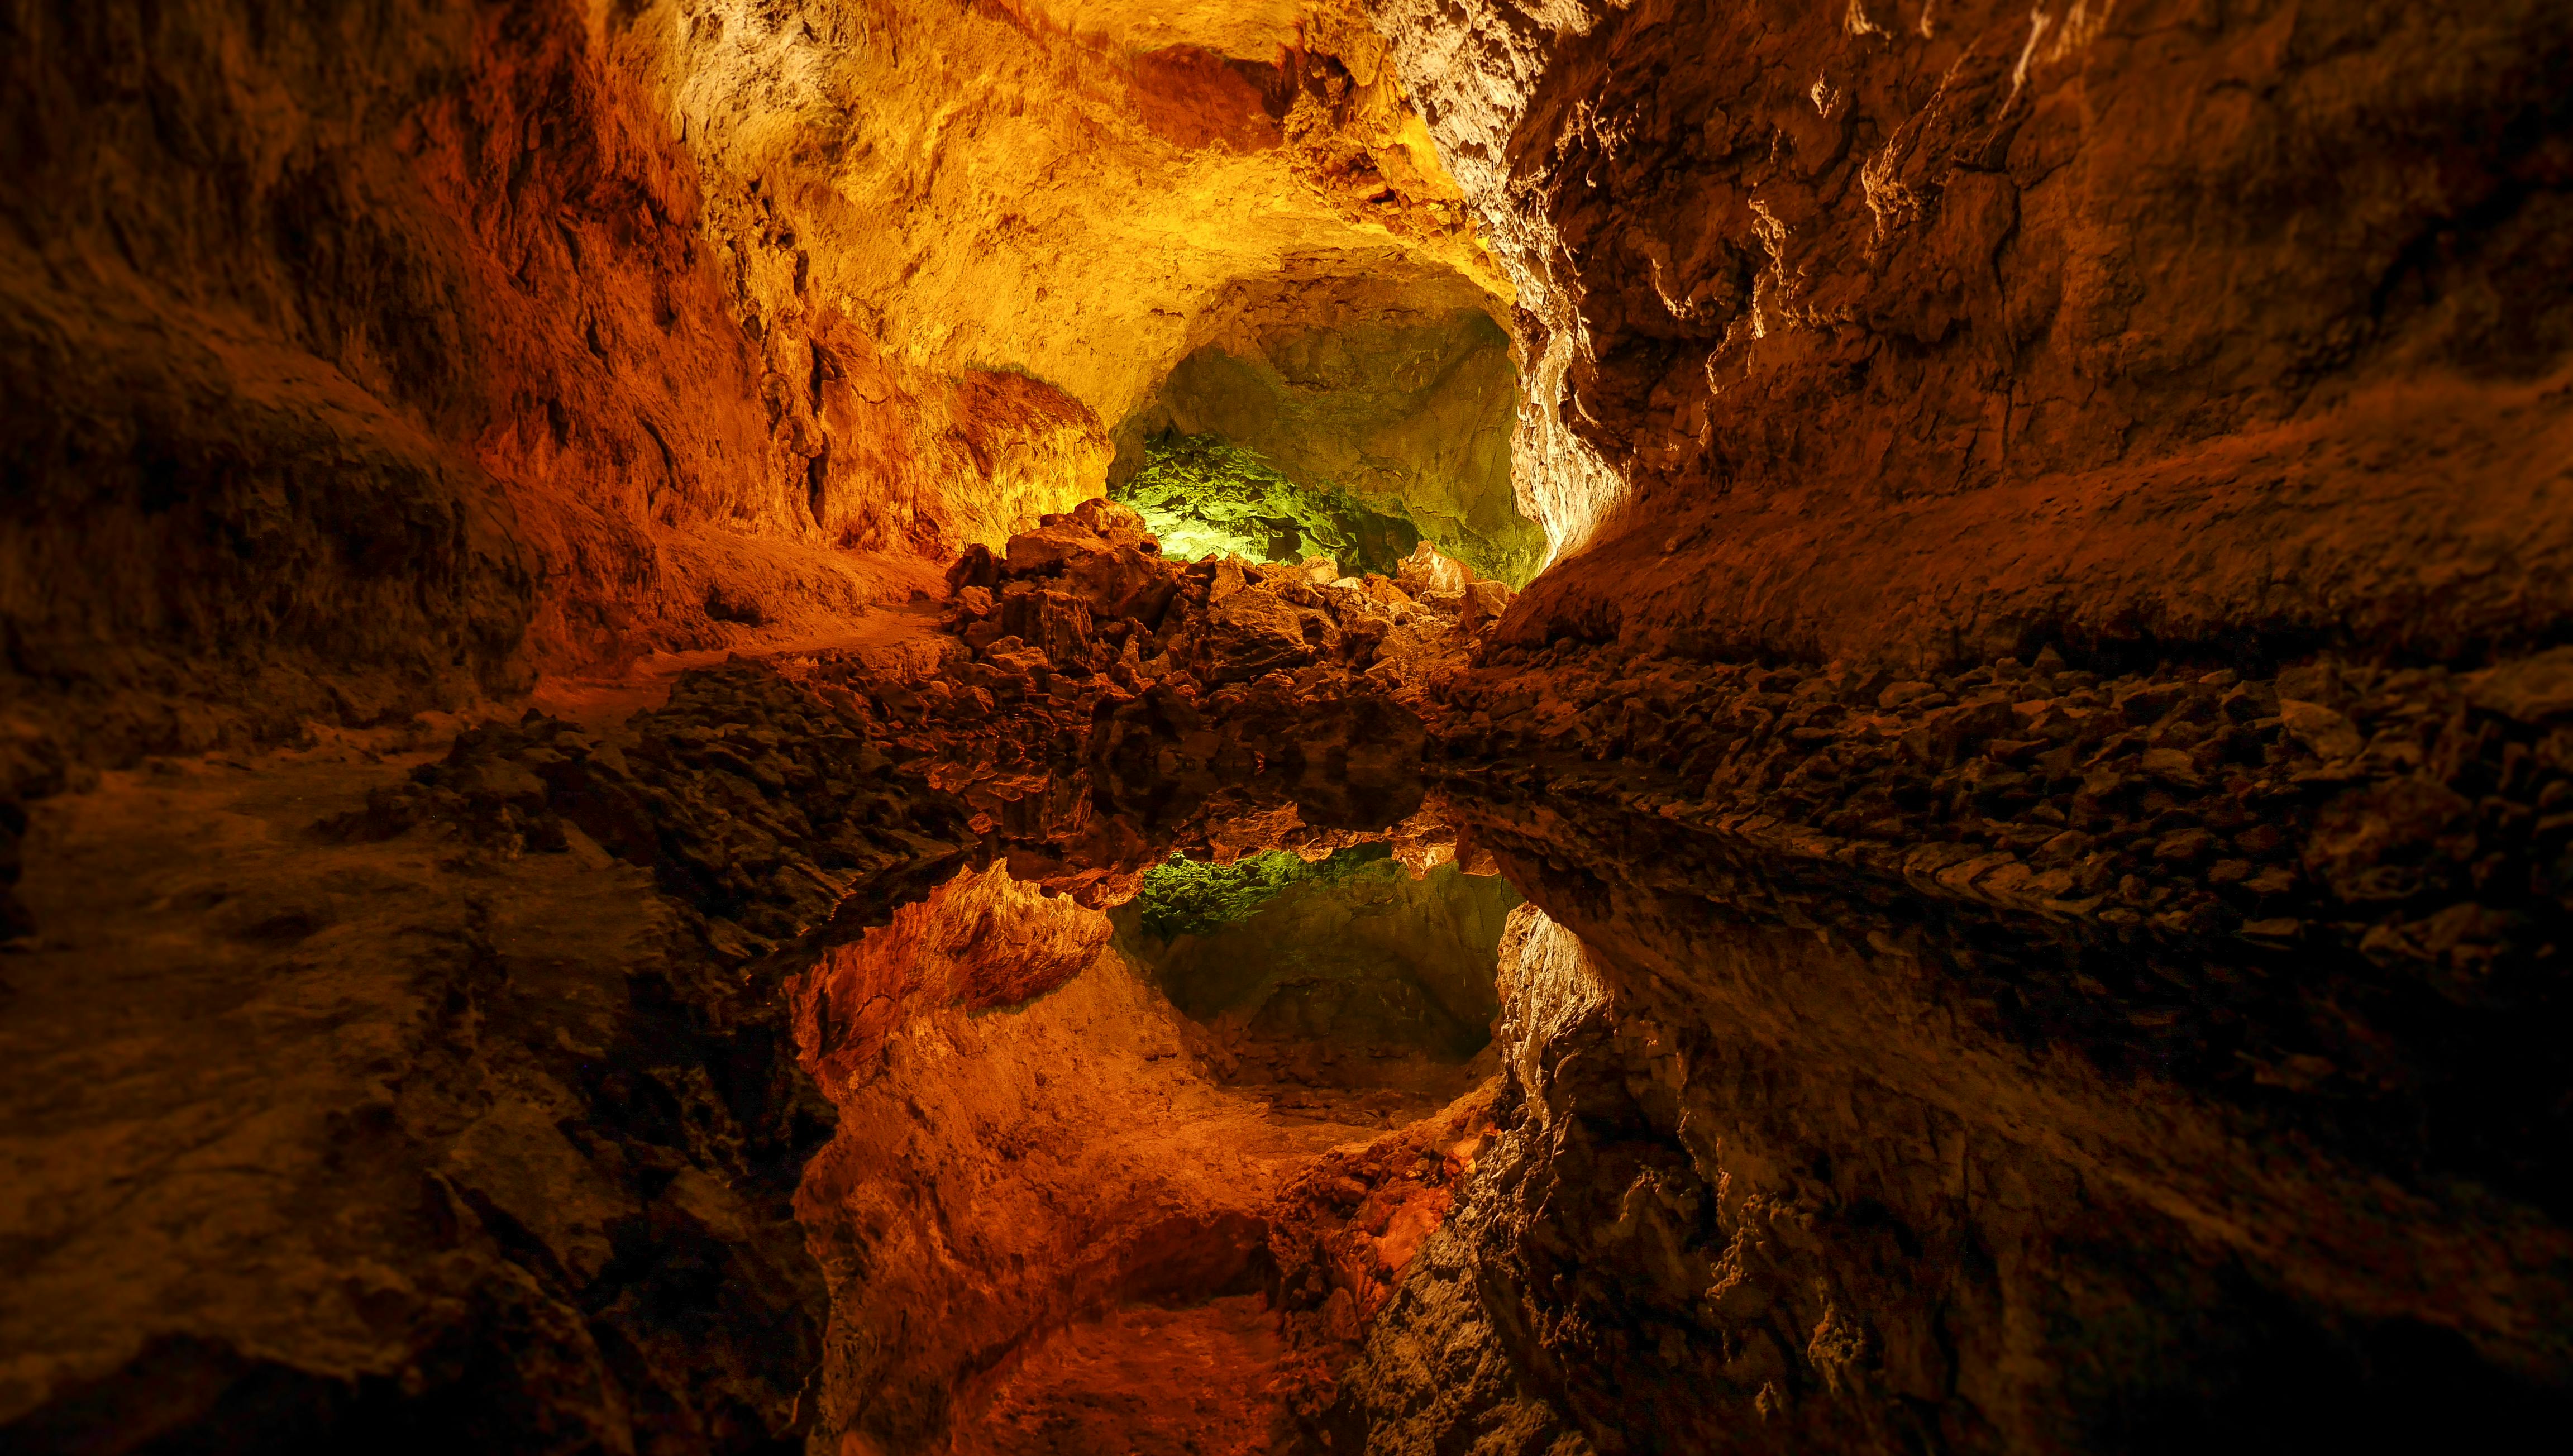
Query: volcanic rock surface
[[583, 754], [1939, 330], [366, 365]]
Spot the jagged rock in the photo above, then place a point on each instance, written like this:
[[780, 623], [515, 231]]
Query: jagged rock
[[2531, 689], [1426, 572], [1485, 601], [1051, 548], [2327, 733], [2001, 985], [1253, 633]]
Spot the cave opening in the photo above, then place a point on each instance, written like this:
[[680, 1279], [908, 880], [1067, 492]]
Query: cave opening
[[1354, 417], [1206, 497]]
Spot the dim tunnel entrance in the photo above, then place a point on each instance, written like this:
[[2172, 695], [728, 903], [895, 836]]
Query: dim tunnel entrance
[[1192, 1174], [1343, 417]]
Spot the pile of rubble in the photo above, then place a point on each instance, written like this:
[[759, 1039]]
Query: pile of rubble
[[1181, 698], [1277, 704]]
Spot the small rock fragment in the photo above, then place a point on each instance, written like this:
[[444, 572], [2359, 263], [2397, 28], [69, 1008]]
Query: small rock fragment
[[2327, 733]]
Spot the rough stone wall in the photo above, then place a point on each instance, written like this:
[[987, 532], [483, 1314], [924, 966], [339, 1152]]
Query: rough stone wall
[[1729, 1216], [2014, 1054], [1937, 330], [2176, 341], [1875, 1107], [430, 1125], [1062, 191], [368, 362], [363, 363], [218, 274]]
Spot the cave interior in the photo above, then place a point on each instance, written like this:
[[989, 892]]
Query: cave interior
[[1272, 727]]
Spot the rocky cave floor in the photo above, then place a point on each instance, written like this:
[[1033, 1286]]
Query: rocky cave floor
[[605, 1069]]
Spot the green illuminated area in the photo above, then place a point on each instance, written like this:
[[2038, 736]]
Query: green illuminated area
[[1353, 416], [1186, 897], [1206, 497], [1349, 972]]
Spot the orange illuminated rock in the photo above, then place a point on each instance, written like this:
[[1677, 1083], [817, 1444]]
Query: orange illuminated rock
[[980, 940], [544, 345], [2038, 756], [1427, 574], [1928, 331]]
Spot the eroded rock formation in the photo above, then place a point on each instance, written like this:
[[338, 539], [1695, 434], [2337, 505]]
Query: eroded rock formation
[[1944, 330], [1364, 975], [365, 369], [578, 731]]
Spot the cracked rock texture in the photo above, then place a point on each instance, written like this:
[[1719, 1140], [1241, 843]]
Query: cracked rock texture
[[572, 720], [1935, 329], [1931, 373]]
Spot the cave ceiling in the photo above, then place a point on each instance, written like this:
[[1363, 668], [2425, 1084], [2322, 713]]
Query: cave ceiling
[[1066, 190]]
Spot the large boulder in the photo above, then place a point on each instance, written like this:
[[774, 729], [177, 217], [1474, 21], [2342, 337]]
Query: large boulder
[[1250, 633], [1426, 572]]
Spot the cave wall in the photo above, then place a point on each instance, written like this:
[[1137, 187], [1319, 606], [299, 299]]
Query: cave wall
[[1774, 1174], [2109, 324], [370, 363], [1064, 194], [1936, 338], [1030, 1137], [380, 361], [351, 1110], [1006, 1161]]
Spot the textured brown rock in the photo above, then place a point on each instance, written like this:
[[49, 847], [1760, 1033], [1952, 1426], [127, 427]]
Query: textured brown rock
[[1937, 330], [427, 1147], [1916, 335], [2039, 758], [1696, 1047], [332, 361]]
